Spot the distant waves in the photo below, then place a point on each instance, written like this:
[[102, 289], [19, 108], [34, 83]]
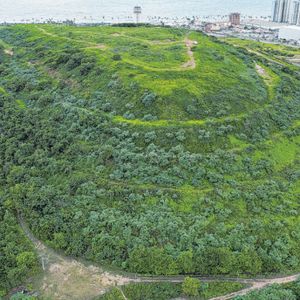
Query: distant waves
[[122, 10]]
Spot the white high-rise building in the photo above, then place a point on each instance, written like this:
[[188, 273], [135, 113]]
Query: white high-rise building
[[274, 9], [295, 13], [281, 10], [286, 11], [277, 10]]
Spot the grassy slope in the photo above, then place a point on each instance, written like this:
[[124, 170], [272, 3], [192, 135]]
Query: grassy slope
[[220, 78]]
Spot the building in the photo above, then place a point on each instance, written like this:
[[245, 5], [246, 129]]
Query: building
[[138, 13], [286, 11], [289, 33], [256, 23], [295, 13], [235, 18], [281, 10]]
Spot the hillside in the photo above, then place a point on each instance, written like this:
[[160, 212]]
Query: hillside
[[135, 148]]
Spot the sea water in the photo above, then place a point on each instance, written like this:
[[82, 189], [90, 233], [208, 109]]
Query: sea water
[[122, 10]]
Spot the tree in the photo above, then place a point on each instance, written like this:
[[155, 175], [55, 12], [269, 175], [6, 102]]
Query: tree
[[117, 57], [249, 261], [151, 260], [27, 259], [215, 261], [191, 286], [185, 262]]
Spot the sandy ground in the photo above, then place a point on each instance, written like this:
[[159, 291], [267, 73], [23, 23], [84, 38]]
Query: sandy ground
[[68, 278]]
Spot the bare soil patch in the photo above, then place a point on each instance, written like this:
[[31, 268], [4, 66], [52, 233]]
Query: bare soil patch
[[96, 47], [68, 82], [30, 63], [9, 52], [264, 74], [192, 63], [70, 278]]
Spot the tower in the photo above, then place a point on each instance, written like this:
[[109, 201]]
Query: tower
[[235, 18], [138, 12]]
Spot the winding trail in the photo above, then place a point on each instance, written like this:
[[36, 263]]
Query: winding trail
[[192, 63], [66, 38], [67, 278], [188, 65]]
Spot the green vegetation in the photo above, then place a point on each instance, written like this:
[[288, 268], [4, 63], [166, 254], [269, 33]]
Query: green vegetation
[[286, 291], [112, 151], [20, 296], [279, 53], [17, 259], [168, 290], [270, 293], [271, 49], [192, 286], [132, 63]]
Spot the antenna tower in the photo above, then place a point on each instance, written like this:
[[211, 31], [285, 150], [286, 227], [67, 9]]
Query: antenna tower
[[138, 13]]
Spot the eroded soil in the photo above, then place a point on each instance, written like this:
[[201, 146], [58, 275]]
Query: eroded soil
[[69, 278]]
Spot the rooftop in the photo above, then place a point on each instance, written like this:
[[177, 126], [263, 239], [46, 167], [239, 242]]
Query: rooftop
[[263, 23], [294, 27]]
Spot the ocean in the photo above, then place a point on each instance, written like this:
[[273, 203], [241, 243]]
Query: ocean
[[122, 10]]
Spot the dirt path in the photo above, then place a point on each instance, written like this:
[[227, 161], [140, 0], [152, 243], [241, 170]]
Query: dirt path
[[266, 57], [67, 278], [264, 74], [95, 45], [257, 284], [192, 63]]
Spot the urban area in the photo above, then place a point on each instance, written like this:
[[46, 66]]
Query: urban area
[[283, 26]]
